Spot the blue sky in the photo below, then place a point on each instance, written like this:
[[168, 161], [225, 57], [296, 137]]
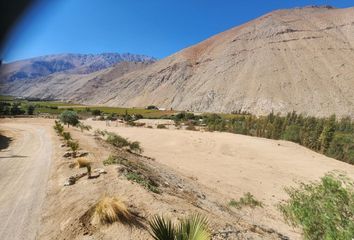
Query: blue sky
[[152, 27]]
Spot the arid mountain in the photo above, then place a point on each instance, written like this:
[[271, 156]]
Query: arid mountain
[[300, 59], [68, 63], [70, 86]]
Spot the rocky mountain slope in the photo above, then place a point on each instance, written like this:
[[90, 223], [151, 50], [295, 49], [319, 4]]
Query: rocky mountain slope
[[299, 59], [70, 86], [68, 63]]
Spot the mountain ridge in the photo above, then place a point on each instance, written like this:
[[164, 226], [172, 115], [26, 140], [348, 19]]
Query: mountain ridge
[[66, 62], [287, 60]]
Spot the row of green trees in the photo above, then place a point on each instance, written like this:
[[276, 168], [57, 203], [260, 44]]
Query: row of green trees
[[15, 108], [330, 136]]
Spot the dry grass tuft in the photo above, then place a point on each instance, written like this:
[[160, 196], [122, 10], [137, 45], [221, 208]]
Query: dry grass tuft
[[83, 162], [109, 210]]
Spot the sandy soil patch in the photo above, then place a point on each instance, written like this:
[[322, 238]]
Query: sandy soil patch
[[234, 164]]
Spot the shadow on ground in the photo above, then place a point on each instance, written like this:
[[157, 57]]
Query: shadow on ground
[[4, 142]]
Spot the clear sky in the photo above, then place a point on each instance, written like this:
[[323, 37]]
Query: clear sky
[[153, 27]]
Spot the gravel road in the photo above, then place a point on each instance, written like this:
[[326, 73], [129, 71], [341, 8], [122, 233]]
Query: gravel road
[[24, 169]]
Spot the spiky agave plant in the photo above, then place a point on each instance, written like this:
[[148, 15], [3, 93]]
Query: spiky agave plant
[[194, 227], [162, 228]]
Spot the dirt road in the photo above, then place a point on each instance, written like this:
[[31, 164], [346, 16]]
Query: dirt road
[[24, 169]]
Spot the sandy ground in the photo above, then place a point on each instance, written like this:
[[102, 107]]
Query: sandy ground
[[203, 171], [24, 170], [234, 164]]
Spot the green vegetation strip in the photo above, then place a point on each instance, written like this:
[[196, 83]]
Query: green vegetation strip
[[324, 209]]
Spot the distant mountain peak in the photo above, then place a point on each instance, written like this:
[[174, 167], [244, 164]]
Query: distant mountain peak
[[66, 62]]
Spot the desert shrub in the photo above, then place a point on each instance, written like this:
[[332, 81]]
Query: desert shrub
[[137, 116], [96, 112], [111, 160], [135, 124], [74, 146], [194, 227], [112, 117], [58, 127], [191, 127], [135, 147], [247, 200], [121, 142], [84, 127], [69, 117], [117, 140], [99, 132], [161, 126], [324, 209], [131, 123], [66, 136], [143, 181], [109, 210], [83, 162]]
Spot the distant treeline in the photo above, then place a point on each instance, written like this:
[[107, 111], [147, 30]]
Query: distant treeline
[[330, 136]]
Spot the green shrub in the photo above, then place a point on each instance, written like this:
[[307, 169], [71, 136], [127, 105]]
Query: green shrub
[[99, 132], [194, 227], [74, 146], [66, 136], [324, 209], [145, 182], [135, 147], [117, 140], [69, 117], [84, 127], [96, 112], [247, 200], [191, 127], [112, 160], [121, 142], [58, 127]]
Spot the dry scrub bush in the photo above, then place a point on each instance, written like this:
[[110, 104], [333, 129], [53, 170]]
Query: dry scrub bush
[[109, 210], [83, 162], [161, 126]]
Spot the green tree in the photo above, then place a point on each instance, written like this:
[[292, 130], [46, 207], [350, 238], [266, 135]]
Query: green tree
[[96, 112], [30, 109], [69, 117], [327, 133], [277, 127], [16, 109], [292, 133], [342, 147]]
